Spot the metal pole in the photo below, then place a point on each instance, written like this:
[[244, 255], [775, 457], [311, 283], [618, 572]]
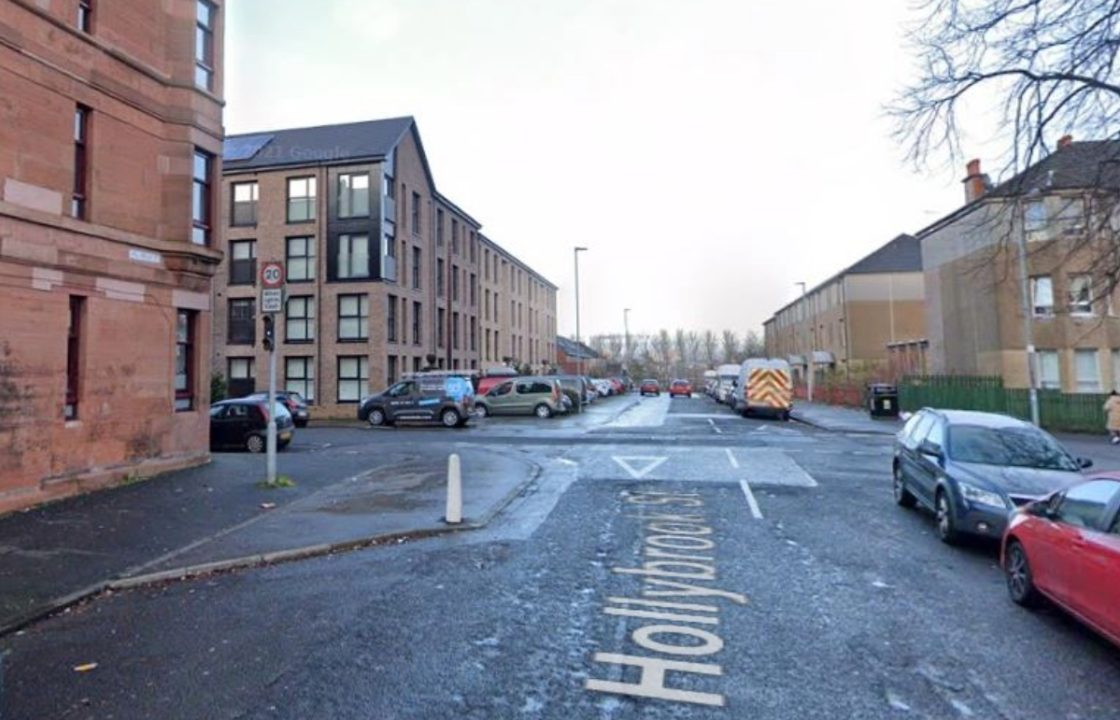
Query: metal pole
[[272, 414], [809, 345], [1028, 322], [579, 350], [626, 340]]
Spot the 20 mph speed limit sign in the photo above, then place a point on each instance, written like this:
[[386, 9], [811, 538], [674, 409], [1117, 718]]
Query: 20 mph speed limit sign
[[272, 275]]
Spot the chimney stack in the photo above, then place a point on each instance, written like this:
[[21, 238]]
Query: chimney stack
[[975, 183], [1065, 141]]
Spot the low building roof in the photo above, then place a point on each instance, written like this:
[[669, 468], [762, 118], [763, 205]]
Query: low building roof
[[575, 350]]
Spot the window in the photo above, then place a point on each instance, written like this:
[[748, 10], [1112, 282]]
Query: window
[[439, 277], [204, 46], [300, 259], [454, 236], [486, 305], [242, 328], [474, 334], [486, 264], [1042, 295], [241, 377], [391, 370], [353, 195], [1034, 216], [244, 197], [353, 317], [439, 227], [474, 290], [299, 320], [85, 15], [391, 320], [496, 305], [1085, 505], [200, 198], [184, 359], [455, 330], [73, 357], [1087, 371], [301, 199], [417, 311], [441, 325], [415, 364], [1081, 295], [353, 378], [299, 376], [81, 182], [388, 258], [455, 283], [1049, 375], [474, 247], [415, 268], [243, 262], [353, 256], [416, 213], [1116, 370], [486, 346]]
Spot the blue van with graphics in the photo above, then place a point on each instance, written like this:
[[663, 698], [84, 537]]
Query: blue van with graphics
[[442, 398]]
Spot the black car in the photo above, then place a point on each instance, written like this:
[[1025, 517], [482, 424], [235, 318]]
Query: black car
[[295, 403], [972, 469], [446, 399], [243, 423]]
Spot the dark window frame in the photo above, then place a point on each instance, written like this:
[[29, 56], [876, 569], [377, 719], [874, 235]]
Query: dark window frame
[[202, 217], [85, 16], [238, 274], [350, 193], [307, 318], [417, 264], [440, 280], [307, 380], [185, 344], [391, 318], [76, 309], [204, 55], [243, 337], [348, 238], [417, 314], [311, 197], [359, 378], [363, 319], [415, 213], [233, 382], [309, 257], [252, 204], [79, 199]]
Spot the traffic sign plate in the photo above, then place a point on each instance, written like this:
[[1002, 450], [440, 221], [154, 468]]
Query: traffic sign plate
[[272, 275], [272, 300]]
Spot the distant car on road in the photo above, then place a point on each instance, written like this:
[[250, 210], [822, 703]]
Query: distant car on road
[[295, 403], [540, 396], [972, 469], [680, 387], [1066, 548], [650, 386], [243, 423], [447, 399]]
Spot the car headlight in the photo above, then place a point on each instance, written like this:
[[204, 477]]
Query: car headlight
[[974, 494]]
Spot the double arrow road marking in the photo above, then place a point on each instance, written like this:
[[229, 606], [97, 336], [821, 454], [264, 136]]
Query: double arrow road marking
[[648, 464]]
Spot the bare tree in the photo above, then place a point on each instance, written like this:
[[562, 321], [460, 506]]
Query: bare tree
[[710, 349], [680, 346], [730, 346], [753, 346], [692, 348], [662, 353]]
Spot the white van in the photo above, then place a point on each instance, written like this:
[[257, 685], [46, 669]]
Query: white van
[[726, 377], [764, 386]]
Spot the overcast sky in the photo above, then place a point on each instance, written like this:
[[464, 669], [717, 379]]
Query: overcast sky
[[709, 153]]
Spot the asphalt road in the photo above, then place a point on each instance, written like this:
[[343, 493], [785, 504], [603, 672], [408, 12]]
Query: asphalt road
[[674, 561]]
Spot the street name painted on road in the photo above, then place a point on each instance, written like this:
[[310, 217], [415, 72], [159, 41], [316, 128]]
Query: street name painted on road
[[674, 568], [648, 464]]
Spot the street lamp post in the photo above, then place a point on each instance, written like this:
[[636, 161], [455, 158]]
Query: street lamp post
[[579, 357], [1028, 312], [808, 344], [626, 341]]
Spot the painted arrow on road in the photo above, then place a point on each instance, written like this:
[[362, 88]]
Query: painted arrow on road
[[648, 466]]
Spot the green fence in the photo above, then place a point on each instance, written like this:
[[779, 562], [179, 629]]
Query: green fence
[[1057, 411]]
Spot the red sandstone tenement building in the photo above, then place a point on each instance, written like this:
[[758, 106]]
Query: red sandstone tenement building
[[110, 167], [382, 270]]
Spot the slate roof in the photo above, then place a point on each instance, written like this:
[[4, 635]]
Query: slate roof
[[903, 254], [368, 140], [575, 350], [1079, 165]]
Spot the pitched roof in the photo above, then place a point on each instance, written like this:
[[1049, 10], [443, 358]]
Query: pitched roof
[[903, 254], [575, 350], [1079, 165], [368, 140]]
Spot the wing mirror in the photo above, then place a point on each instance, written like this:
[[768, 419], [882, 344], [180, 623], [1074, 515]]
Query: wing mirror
[[1084, 463], [931, 450]]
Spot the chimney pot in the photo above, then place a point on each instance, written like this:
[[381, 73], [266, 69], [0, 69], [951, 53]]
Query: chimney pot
[[975, 183], [1065, 141]]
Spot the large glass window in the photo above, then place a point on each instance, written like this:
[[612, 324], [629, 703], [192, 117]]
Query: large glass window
[[81, 141], [353, 256], [299, 376], [1035, 215], [1049, 374], [299, 319], [184, 359], [353, 195], [300, 258], [301, 199], [353, 378], [1042, 295], [242, 328], [242, 378], [204, 45], [243, 262], [353, 317], [1087, 371], [1081, 295], [388, 258], [245, 197], [200, 197]]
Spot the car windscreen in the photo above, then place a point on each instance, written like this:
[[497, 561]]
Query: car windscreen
[[1011, 446]]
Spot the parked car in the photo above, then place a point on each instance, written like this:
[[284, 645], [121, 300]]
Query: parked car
[[243, 423], [619, 386], [726, 378], [573, 386], [972, 469], [649, 386], [680, 387], [1066, 548], [295, 403], [540, 396], [447, 399], [604, 387]]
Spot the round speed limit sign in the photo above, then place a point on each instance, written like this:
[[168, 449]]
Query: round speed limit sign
[[272, 275]]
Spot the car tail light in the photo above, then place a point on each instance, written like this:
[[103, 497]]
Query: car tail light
[[264, 412]]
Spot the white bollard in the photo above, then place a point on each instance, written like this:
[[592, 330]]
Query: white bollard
[[454, 514]]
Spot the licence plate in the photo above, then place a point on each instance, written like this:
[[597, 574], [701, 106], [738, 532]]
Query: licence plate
[[287, 435]]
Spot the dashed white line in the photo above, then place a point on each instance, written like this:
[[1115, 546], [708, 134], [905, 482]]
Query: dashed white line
[[755, 511], [731, 458], [713, 422]]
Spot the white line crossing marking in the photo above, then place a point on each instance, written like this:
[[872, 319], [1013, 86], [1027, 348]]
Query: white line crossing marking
[[713, 422], [731, 458], [755, 511], [651, 463]]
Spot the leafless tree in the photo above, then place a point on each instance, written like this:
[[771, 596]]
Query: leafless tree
[[661, 353], [730, 346], [680, 346], [692, 348], [753, 346], [710, 349]]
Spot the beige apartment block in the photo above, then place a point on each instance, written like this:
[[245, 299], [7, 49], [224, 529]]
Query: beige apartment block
[[385, 275], [974, 284], [848, 323]]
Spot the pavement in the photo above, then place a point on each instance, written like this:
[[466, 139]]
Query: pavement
[[218, 516]]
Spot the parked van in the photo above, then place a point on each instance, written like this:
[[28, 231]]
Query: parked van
[[726, 377], [765, 387], [424, 397], [710, 379]]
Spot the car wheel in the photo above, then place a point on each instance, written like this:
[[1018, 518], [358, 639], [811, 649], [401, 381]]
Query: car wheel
[[902, 496], [481, 410], [450, 418], [946, 518], [376, 417], [542, 411], [255, 444], [1020, 581]]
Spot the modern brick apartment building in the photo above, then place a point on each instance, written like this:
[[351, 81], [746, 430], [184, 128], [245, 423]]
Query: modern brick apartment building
[[382, 270], [975, 314], [110, 145], [850, 321]]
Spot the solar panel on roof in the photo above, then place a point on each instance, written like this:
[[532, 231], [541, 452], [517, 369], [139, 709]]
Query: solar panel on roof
[[245, 147]]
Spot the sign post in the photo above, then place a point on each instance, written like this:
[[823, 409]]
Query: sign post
[[272, 302]]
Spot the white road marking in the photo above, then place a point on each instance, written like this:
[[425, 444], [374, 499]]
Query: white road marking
[[755, 511], [713, 422], [731, 458], [651, 463]]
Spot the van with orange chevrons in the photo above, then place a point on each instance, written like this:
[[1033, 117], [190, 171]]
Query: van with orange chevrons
[[764, 387]]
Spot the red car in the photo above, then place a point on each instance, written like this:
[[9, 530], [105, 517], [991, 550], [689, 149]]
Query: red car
[[680, 387], [1066, 548], [650, 387]]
